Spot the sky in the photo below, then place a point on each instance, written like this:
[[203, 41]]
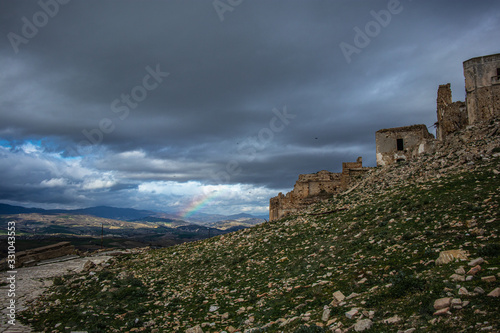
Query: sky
[[171, 105]]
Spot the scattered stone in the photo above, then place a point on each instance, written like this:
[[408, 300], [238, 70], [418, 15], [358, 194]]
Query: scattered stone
[[392, 320], [213, 308], [351, 314], [490, 278], [456, 303], [331, 322], [446, 257], [225, 316], [363, 325], [474, 270], [442, 303], [460, 270], [196, 329], [456, 277], [477, 261], [326, 313], [443, 312], [494, 293], [88, 266], [338, 296], [351, 296], [479, 290], [463, 291]]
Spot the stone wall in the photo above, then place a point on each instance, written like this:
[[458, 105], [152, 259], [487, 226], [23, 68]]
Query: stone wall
[[482, 87], [311, 188], [413, 141], [451, 116]]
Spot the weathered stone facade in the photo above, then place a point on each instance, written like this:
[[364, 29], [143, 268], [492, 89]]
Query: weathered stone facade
[[402, 143], [311, 188], [482, 87], [451, 116]]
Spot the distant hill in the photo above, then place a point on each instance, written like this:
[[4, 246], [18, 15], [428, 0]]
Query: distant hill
[[125, 214]]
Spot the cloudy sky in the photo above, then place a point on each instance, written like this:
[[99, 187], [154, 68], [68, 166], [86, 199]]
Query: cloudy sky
[[165, 104]]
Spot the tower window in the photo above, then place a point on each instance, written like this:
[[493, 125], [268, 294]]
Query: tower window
[[400, 144], [498, 71]]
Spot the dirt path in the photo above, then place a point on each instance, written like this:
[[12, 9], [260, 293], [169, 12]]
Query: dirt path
[[31, 282]]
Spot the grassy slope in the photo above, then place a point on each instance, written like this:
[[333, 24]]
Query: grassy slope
[[290, 268]]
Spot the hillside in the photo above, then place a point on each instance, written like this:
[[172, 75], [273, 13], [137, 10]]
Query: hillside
[[365, 258]]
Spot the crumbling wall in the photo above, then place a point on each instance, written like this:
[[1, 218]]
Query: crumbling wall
[[451, 117], [482, 87], [402, 143], [311, 188]]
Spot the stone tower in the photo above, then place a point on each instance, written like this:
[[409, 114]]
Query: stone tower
[[482, 87]]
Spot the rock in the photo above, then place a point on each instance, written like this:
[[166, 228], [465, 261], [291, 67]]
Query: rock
[[490, 278], [463, 291], [225, 316], [446, 257], [479, 290], [338, 296], [196, 329], [442, 303], [392, 320], [331, 322], [456, 277], [456, 303], [443, 312], [363, 325], [326, 313], [213, 308], [88, 266], [351, 314], [477, 261], [474, 270], [494, 293], [352, 295], [460, 270]]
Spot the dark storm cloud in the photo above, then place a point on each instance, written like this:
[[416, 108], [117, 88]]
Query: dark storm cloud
[[75, 81]]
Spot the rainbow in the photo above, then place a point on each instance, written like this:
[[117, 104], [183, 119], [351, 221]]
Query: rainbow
[[198, 204]]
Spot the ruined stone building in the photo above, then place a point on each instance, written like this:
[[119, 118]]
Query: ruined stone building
[[402, 143], [451, 117], [482, 103], [393, 145], [311, 188], [482, 97]]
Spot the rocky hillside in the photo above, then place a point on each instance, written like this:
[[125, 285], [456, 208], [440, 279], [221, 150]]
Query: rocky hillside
[[366, 260]]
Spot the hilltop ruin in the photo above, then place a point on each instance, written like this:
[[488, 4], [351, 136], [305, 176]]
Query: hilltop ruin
[[394, 145]]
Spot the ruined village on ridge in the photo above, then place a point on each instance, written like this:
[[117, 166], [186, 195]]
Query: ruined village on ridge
[[393, 145]]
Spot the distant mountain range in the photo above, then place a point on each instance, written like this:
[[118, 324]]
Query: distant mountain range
[[121, 227], [129, 214]]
